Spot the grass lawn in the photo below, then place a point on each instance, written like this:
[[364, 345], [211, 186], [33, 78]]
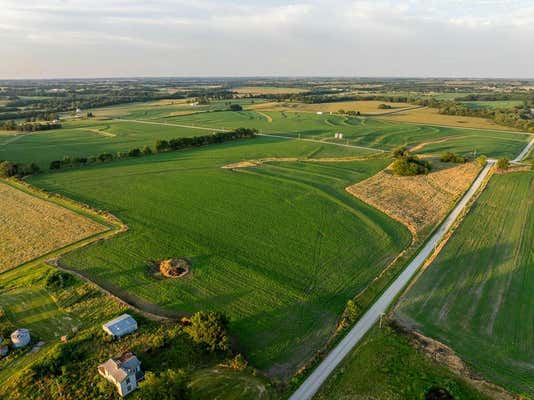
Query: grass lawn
[[478, 295], [385, 366], [280, 247]]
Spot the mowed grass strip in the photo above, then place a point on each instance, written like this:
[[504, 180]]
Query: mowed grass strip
[[478, 295], [31, 227], [280, 248]]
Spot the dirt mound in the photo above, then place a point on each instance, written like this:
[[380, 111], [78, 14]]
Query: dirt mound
[[174, 267]]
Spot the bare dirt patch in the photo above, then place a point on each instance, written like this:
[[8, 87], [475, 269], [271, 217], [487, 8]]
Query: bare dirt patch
[[174, 267], [255, 163], [31, 227], [419, 202]]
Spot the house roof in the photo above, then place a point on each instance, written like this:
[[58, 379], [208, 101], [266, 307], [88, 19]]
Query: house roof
[[121, 324], [120, 367]]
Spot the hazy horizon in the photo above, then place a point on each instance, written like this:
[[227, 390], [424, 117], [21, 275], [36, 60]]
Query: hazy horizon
[[71, 39]]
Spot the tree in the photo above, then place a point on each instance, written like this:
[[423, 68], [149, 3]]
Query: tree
[[236, 107], [7, 169], [503, 164], [482, 160], [209, 328], [162, 145], [134, 152], [409, 166], [104, 157], [147, 150], [400, 152], [56, 164], [168, 385], [238, 363]]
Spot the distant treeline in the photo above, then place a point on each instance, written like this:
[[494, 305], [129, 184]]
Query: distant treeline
[[160, 147], [28, 126], [9, 169], [519, 117]]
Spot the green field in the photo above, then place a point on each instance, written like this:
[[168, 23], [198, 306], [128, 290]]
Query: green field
[[280, 247], [478, 295], [83, 138], [385, 366]]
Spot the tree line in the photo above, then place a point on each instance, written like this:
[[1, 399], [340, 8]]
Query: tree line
[[28, 126], [161, 146]]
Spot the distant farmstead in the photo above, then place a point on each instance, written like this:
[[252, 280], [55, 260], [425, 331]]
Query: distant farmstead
[[120, 326], [20, 338], [124, 372]]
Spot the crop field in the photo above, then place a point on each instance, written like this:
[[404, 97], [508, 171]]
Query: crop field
[[280, 247], [86, 138], [141, 125], [478, 295], [385, 366], [419, 202], [431, 116], [368, 107], [376, 134], [31, 227]]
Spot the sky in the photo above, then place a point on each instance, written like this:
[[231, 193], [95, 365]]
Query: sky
[[403, 38]]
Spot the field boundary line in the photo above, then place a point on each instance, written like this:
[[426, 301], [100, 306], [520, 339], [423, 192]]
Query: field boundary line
[[315, 380]]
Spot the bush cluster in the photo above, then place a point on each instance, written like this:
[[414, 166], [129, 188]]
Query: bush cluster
[[9, 169], [450, 157], [407, 164]]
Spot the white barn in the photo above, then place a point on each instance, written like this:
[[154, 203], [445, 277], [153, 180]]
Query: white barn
[[120, 326], [124, 372]]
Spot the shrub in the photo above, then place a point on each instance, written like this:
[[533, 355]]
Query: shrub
[[384, 107], [482, 160], [162, 145], [401, 152], [7, 169], [147, 150], [452, 157], [56, 164], [105, 157], [210, 329], [58, 280], [238, 363], [503, 164], [168, 385], [134, 152], [235, 107]]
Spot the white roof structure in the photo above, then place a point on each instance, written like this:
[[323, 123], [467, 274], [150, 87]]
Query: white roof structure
[[120, 326], [20, 337]]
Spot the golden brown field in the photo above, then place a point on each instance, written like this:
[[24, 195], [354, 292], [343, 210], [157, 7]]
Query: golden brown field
[[31, 227], [419, 202], [433, 117], [369, 107]]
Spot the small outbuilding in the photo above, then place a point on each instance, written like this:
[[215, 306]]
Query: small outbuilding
[[20, 338], [319, 113], [120, 326], [124, 372]]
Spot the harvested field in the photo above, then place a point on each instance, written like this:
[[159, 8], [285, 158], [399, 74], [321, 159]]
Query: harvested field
[[31, 227], [433, 117], [419, 202]]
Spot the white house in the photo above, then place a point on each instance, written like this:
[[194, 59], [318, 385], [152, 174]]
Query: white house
[[338, 135], [20, 338], [124, 372], [120, 326]]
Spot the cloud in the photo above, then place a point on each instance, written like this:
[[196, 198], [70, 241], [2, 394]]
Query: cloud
[[270, 37]]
